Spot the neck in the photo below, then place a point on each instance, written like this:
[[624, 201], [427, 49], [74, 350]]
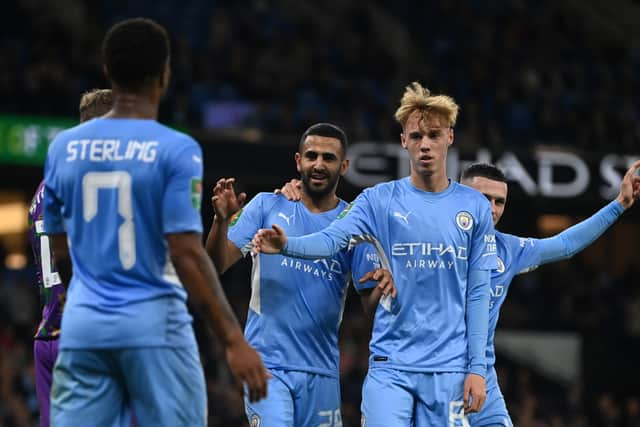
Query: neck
[[320, 204], [433, 183], [141, 105]]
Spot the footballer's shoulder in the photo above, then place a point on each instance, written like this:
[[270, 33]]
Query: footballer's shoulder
[[467, 191], [266, 202], [178, 137], [272, 197], [384, 188], [269, 198], [75, 132]]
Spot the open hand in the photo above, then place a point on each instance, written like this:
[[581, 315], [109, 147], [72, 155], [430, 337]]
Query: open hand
[[269, 240], [384, 279], [225, 201], [630, 186], [247, 367], [475, 393]]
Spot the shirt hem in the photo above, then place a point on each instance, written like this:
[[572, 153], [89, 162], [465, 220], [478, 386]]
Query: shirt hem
[[64, 346], [378, 365], [308, 369]]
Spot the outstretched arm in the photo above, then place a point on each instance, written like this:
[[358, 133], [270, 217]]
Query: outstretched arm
[[321, 244], [355, 220], [225, 203], [576, 238]]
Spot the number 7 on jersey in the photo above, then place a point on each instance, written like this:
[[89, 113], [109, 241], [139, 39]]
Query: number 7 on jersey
[[121, 182]]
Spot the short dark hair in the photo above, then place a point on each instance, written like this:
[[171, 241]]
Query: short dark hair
[[135, 51], [484, 170], [328, 131]]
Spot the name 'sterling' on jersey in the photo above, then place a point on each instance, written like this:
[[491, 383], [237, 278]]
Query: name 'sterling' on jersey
[[105, 150]]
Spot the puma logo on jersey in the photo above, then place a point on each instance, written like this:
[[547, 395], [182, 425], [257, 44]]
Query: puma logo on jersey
[[286, 218], [405, 218]]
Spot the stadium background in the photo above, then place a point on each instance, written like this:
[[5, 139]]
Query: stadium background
[[549, 89]]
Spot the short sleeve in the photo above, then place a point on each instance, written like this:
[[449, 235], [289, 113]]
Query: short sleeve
[[183, 193], [245, 223]]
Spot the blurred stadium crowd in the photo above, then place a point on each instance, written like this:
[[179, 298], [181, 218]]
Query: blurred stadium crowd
[[523, 72]]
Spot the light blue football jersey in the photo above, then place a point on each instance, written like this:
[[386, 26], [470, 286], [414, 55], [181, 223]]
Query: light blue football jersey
[[518, 255], [296, 305], [116, 187], [515, 255], [433, 241]]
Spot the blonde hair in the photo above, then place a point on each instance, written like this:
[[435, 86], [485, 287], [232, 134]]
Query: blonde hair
[[95, 103], [419, 98]]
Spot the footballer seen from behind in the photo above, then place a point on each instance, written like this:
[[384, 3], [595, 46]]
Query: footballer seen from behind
[[124, 192]]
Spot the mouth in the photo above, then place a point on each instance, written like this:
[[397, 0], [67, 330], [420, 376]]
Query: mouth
[[426, 160], [318, 178]]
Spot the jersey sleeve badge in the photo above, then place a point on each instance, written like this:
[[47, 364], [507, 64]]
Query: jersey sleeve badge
[[196, 193]]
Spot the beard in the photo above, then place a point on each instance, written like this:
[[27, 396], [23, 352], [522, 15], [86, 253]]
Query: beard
[[317, 191]]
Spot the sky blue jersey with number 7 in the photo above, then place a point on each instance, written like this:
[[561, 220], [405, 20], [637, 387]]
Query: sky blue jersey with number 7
[[117, 187]]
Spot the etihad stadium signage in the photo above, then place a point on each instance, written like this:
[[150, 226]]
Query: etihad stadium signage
[[541, 171]]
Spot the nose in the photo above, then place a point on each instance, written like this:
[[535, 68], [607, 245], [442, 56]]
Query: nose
[[425, 143], [318, 164], [494, 207]]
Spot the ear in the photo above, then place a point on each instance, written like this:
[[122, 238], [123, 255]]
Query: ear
[[298, 158], [165, 77], [344, 167], [450, 136], [403, 141]]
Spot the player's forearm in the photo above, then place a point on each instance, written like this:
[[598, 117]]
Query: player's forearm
[[370, 298], [60, 249], [322, 244], [216, 244], [576, 238], [201, 281], [477, 319]]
